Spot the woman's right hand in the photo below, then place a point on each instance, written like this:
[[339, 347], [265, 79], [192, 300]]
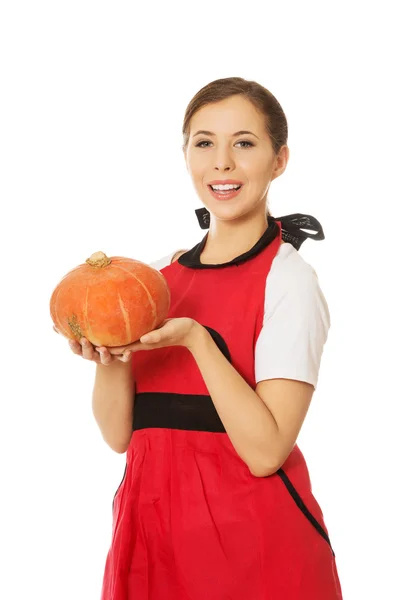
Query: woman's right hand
[[87, 351]]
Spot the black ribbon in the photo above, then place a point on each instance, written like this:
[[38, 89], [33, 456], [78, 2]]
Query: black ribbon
[[293, 226]]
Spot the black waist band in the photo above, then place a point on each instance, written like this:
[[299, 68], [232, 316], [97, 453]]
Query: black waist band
[[176, 411]]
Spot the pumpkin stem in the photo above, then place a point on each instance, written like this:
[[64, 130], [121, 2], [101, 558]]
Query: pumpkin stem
[[99, 260]]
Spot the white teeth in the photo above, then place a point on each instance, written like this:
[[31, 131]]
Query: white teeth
[[225, 187]]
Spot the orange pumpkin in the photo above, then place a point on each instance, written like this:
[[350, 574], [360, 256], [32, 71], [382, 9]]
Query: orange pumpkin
[[110, 301]]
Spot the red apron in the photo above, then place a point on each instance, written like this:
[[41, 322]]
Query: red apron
[[190, 522]]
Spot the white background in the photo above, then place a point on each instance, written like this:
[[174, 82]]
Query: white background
[[92, 98]]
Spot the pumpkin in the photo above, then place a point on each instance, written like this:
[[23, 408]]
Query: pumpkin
[[110, 301]]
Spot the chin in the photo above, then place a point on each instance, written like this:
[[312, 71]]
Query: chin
[[230, 215]]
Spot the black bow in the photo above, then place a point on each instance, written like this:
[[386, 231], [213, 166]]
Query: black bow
[[293, 226]]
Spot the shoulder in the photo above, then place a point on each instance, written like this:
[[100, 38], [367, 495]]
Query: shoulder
[[167, 259], [288, 265], [291, 280], [296, 321]]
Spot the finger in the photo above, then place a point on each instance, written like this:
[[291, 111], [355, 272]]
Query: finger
[[105, 356], [125, 357], [151, 338], [121, 349], [75, 347], [87, 349]]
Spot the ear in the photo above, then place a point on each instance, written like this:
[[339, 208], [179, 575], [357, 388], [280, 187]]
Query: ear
[[281, 162], [185, 157]]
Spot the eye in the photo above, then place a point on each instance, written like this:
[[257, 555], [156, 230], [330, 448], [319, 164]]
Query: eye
[[200, 144], [244, 142]]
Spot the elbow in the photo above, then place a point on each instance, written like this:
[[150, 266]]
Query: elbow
[[118, 447], [262, 468], [265, 470]]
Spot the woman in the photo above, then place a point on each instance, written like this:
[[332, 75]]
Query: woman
[[216, 499]]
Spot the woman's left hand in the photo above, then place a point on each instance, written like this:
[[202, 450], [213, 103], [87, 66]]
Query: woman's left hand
[[172, 332]]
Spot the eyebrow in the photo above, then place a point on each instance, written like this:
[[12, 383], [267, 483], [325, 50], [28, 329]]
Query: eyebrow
[[234, 135]]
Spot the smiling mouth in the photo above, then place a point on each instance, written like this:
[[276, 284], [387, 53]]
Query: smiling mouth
[[224, 194]]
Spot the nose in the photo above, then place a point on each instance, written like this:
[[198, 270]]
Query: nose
[[223, 160]]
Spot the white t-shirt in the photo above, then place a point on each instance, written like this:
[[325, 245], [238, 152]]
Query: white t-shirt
[[296, 319]]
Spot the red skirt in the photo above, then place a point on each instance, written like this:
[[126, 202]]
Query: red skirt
[[191, 522]]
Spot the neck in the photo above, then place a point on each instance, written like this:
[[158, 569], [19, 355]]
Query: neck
[[228, 239]]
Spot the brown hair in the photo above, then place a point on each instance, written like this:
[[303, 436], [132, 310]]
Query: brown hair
[[262, 99]]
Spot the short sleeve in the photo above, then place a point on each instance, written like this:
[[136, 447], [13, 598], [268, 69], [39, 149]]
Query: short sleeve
[[162, 262], [296, 321]]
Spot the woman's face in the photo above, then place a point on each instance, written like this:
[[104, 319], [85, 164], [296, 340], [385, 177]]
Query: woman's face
[[246, 158]]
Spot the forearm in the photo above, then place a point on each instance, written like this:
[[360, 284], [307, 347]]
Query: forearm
[[112, 403], [248, 422]]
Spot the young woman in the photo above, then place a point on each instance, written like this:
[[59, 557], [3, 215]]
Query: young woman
[[216, 498]]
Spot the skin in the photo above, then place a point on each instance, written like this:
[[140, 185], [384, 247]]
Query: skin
[[263, 424], [236, 225]]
